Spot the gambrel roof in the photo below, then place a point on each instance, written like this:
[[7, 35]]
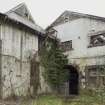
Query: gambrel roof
[[21, 14]]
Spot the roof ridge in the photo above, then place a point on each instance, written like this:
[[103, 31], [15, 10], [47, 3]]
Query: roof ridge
[[79, 13]]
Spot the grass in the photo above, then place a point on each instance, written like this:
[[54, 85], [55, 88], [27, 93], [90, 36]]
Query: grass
[[48, 100], [79, 100]]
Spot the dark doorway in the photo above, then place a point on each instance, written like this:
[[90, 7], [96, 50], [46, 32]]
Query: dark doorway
[[73, 80]]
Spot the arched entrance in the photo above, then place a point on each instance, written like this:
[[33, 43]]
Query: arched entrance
[[73, 80]]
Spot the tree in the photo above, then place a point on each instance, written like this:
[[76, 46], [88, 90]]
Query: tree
[[53, 60]]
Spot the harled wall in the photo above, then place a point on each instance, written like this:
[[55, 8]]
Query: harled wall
[[79, 31]]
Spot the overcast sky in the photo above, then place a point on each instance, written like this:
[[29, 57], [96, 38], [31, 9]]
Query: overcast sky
[[45, 12]]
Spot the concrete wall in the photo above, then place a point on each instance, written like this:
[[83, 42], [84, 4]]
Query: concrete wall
[[18, 45]]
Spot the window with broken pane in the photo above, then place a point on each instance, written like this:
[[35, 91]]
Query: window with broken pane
[[66, 45], [97, 40]]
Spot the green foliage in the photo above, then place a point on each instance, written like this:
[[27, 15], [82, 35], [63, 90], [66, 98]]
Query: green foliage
[[53, 60], [55, 100]]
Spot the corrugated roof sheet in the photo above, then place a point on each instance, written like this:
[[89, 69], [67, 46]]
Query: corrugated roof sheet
[[18, 18]]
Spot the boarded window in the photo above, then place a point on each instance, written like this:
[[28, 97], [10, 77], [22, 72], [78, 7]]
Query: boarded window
[[95, 76], [52, 32], [97, 40], [66, 46]]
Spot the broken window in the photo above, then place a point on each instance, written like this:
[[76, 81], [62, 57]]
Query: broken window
[[95, 76], [97, 40], [66, 45]]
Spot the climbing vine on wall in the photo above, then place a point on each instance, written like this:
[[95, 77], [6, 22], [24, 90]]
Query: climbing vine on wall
[[53, 60], [34, 75]]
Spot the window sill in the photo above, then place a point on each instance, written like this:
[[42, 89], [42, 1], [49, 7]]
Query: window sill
[[68, 50], [90, 46]]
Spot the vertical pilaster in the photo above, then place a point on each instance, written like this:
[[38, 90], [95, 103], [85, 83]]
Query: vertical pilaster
[[1, 69]]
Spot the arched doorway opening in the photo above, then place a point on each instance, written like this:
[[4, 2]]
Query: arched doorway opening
[[73, 80]]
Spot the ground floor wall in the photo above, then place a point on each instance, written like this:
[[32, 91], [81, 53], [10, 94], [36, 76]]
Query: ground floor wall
[[84, 66], [84, 73], [15, 77]]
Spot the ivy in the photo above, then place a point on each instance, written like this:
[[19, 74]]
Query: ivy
[[53, 60]]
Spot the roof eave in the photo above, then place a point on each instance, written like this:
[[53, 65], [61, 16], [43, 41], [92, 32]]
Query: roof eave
[[5, 17]]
